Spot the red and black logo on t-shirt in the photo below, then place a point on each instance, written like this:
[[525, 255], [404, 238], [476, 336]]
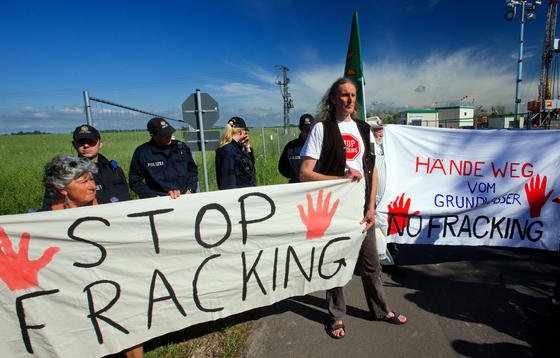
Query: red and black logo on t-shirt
[[352, 146]]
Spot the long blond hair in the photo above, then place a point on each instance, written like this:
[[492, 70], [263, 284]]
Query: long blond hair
[[228, 135]]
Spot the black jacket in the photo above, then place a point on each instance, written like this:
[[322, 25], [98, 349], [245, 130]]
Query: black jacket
[[154, 171], [235, 167], [110, 181], [290, 159]]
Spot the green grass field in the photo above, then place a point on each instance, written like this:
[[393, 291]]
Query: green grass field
[[23, 158]]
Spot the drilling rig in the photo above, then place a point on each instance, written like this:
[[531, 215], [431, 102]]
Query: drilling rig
[[547, 107]]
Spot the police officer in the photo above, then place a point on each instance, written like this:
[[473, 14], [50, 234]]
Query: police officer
[[110, 179], [163, 166], [235, 161], [290, 160]]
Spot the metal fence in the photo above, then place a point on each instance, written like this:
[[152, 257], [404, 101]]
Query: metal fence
[[108, 116]]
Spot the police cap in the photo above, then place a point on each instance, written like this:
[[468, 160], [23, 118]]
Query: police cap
[[159, 126], [85, 131], [306, 121]]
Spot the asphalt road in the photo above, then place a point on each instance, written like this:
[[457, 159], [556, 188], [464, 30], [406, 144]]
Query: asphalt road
[[460, 302]]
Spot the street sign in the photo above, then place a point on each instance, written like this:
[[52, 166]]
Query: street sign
[[210, 112], [211, 140], [201, 111]]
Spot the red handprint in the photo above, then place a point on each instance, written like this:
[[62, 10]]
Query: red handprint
[[317, 221], [536, 197], [16, 270], [398, 214]]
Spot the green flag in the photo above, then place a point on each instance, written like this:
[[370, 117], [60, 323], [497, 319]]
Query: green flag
[[354, 69]]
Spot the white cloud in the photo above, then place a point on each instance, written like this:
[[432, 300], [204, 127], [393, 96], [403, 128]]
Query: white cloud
[[238, 89], [34, 112], [71, 110], [395, 82], [445, 78]]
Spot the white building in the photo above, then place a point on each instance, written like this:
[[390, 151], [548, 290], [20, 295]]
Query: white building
[[456, 116], [505, 122], [419, 117]]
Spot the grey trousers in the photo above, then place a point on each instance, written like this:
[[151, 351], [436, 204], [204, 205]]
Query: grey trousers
[[370, 268]]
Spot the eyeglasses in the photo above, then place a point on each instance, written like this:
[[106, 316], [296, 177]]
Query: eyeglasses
[[90, 142]]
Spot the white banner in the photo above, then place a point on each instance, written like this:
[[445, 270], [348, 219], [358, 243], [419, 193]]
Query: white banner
[[92, 281], [472, 187]]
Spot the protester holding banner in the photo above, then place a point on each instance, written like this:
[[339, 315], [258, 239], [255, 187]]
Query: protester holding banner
[[71, 179], [235, 160], [163, 166], [110, 180], [340, 143], [290, 159], [388, 252], [377, 130]]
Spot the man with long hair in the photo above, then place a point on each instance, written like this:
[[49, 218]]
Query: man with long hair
[[340, 144]]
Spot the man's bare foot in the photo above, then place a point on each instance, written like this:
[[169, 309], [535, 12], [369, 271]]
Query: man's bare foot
[[336, 329], [395, 318]]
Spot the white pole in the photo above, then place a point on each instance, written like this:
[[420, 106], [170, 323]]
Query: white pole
[[363, 99], [519, 66], [263, 140], [87, 108]]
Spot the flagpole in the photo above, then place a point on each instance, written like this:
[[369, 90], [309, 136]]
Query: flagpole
[[354, 68], [363, 99]]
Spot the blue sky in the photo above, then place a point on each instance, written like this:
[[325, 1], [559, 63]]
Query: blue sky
[[153, 54]]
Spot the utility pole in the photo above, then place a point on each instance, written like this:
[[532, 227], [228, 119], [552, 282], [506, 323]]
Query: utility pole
[[286, 96], [528, 12]]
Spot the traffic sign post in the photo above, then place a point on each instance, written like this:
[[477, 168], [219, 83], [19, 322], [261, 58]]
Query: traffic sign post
[[193, 109], [194, 142], [209, 109]]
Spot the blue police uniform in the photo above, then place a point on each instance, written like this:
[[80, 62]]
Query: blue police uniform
[[235, 166], [290, 160], [154, 171]]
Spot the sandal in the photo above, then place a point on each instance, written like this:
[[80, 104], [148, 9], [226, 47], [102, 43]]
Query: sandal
[[394, 319], [333, 327]]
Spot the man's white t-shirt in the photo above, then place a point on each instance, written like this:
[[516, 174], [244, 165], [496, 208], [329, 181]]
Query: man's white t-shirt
[[355, 148]]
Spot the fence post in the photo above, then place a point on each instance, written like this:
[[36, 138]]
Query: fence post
[[87, 108], [198, 109], [263, 141], [277, 141]]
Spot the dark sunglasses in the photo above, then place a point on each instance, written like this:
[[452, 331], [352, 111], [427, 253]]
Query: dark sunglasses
[[84, 141]]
